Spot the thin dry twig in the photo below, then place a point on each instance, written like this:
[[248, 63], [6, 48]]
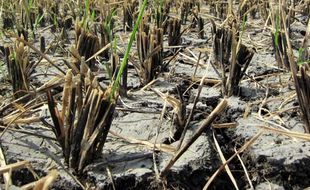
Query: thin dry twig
[[206, 123], [43, 183], [232, 178], [6, 176], [157, 172], [224, 125], [111, 178], [14, 119], [15, 166], [245, 170], [161, 147], [99, 52], [291, 134], [243, 148]]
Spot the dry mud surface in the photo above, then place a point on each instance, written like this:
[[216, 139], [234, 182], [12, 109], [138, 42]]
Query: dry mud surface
[[274, 161]]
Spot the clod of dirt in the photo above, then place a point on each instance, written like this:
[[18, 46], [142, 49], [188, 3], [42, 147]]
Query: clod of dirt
[[276, 158]]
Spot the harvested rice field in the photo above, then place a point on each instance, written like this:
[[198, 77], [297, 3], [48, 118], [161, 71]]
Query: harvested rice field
[[155, 94]]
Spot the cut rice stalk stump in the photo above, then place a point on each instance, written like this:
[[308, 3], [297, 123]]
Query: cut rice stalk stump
[[82, 125]]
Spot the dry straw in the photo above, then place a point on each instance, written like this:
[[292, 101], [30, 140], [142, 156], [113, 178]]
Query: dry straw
[[82, 125]]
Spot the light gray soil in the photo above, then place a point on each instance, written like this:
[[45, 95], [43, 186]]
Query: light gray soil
[[274, 161]]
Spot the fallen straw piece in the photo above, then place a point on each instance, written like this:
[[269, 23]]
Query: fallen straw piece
[[14, 166], [240, 150], [43, 183], [206, 123], [160, 147]]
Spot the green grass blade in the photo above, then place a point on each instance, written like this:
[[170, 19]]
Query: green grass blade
[[116, 83]]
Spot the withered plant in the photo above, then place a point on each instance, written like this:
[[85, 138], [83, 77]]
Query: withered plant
[[19, 68], [187, 7], [161, 12], [199, 21], [150, 51], [128, 13], [87, 44], [201, 32], [302, 85], [230, 55], [8, 18], [263, 9], [87, 41], [174, 32], [179, 114], [82, 124], [106, 28], [222, 41], [218, 8], [247, 7], [301, 75], [62, 22], [238, 68], [278, 34]]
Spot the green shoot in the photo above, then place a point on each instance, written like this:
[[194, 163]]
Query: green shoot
[[30, 3], [86, 13], [87, 5], [276, 34], [159, 12], [301, 62], [116, 83], [55, 21], [244, 20], [37, 21], [108, 23], [1, 67], [115, 45], [92, 16], [27, 9], [114, 51], [108, 70]]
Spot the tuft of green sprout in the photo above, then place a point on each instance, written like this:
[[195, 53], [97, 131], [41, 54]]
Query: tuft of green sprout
[[276, 34], [300, 61]]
